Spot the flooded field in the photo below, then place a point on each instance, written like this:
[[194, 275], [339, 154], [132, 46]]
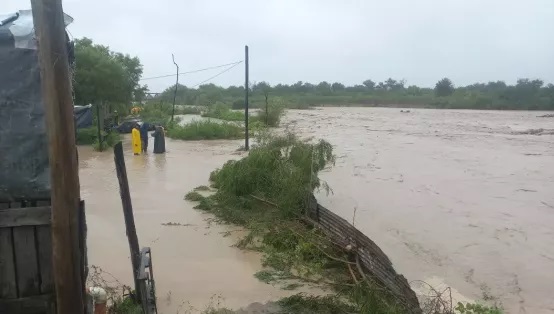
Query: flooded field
[[453, 197], [194, 264]]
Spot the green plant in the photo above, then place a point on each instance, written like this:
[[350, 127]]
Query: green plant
[[272, 113], [205, 130], [125, 305], [222, 111], [475, 308]]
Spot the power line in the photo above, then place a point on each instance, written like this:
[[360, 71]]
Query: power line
[[218, 74], [193, 71]]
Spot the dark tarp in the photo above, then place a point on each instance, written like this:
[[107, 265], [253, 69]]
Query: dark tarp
[[83, 116], [24, 169]]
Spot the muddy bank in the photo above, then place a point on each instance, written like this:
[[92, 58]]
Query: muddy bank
[[452, 197]]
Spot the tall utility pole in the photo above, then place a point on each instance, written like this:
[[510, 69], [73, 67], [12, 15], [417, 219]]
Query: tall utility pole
[[64, 175], [246, 136], [176, 84]]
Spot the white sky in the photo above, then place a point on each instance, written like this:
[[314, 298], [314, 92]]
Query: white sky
[[314, 40]]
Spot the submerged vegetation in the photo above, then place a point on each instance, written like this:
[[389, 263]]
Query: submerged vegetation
[[267, 192], [205, 130]]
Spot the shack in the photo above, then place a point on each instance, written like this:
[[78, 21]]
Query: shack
[[26, 277]]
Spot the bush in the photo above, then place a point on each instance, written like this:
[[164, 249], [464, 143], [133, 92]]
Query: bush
[[222, 111], [89, 136], [272, 113], [205, 130]]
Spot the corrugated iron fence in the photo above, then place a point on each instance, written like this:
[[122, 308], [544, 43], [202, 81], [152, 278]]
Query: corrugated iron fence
[[370, 258]]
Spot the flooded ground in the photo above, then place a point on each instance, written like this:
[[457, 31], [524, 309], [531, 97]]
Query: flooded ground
[[454, 197], [194, 264]]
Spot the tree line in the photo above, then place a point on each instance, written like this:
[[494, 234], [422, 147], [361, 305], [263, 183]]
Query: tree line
[[112, 79]]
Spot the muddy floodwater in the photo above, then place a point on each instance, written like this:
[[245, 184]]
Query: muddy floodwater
[[454, 197], [457, 198]]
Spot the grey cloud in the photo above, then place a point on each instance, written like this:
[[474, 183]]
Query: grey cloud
[[347, 41]]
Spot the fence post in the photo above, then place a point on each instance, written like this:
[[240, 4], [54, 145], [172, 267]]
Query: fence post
[[128, 214], [246, 135]]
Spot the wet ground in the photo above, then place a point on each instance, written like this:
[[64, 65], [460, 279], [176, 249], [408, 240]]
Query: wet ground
[[460, 198]]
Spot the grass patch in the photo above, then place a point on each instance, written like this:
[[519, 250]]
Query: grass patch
[[204, 188], [89, 136], [222, 111], [194, 196], [205, 130]]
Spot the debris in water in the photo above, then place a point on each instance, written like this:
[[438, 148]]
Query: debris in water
[[176, 224], [540, 131]]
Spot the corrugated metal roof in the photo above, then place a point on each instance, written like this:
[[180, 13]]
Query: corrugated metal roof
[[18, 28]]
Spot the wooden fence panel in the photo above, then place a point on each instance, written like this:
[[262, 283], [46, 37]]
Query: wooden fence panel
[[373, 261], [26, 278]]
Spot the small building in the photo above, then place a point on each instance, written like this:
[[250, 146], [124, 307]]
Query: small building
[[24, 169]]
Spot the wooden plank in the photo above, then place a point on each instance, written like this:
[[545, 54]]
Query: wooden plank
[[44, 240], [26, 261], [8, 284], [29, 216], [40, 304]]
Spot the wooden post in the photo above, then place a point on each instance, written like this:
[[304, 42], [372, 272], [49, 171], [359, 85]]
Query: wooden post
[[246, 135], [176, 84], [128, 214], [99, 127], [64, 173]]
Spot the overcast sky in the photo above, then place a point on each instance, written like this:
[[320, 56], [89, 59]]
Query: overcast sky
[[347, 41]]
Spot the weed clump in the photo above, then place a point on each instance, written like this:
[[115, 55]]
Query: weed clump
[[222, 111], [205, 130], [194, 196]]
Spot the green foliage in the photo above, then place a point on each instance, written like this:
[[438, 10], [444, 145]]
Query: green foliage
[[524, 95], [205, 130], [475, 308], [444, 88], [194, 196], [305, 304], [125, 306], [102, 75], [222, 111], [89, 136], [272, 113]]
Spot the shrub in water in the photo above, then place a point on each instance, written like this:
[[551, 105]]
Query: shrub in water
[[205, 130]]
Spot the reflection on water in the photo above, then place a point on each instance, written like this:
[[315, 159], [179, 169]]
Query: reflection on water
[[457, 195], [451, 196]]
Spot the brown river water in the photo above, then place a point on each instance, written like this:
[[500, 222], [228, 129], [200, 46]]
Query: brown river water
[[456, 198]]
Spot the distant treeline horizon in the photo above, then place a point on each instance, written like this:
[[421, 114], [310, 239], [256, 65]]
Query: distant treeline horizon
[[525, 94]]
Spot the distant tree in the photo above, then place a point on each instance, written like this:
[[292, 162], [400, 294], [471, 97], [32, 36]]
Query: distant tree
[[337, 87], [369, 84], [444, 87], [104, 76]]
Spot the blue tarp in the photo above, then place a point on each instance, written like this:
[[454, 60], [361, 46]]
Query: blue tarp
[[83, 116]]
